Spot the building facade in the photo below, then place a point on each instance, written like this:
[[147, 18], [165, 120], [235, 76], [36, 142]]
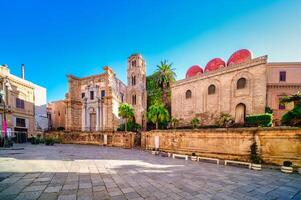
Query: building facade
[[23, 104], [56, 111], [92, 102], [284, 78], [243, 86]]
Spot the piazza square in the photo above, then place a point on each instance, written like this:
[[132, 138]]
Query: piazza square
[[92, 172], [154, 100]]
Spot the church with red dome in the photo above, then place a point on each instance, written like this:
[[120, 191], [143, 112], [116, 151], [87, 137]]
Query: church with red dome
[[240, 85]]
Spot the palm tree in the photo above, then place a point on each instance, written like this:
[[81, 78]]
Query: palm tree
[[126, 112], [164, 77], [157, 113]]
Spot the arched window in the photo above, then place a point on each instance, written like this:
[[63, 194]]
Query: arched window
[[188, 94], [133, 63], [241, 83], [211, 89], [134, 99], [133, 80]]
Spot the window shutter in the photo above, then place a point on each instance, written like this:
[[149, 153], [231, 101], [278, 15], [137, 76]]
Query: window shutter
[[14, 121], [26, 123]]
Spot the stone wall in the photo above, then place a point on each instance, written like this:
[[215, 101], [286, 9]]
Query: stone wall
[[275, 145], [226, 97], [117, 139]]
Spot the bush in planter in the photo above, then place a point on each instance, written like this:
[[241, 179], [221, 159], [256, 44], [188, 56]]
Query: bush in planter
[[254, 157], [35, 140], [193, 154], [262, 120], [287, 164], [287, 167], [49, 141]]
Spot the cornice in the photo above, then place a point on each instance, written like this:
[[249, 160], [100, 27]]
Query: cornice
[[284, 85]]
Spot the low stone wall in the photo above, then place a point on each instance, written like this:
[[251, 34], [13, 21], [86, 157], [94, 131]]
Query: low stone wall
[[275, 145], [116, 139]]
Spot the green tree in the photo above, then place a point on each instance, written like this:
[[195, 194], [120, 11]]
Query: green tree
[[195, 122], [126, 112], [165, 75], [292, 117], [154, 93], [157, 113], [292, 98]]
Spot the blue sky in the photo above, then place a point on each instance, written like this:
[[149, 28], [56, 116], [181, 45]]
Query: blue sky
[[55, 38]]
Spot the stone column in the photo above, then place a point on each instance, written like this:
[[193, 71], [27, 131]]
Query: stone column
[[101, 115], [97, 116], [87, 121], [84, 117]]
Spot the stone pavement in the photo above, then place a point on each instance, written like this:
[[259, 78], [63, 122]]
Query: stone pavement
[[68, 172]]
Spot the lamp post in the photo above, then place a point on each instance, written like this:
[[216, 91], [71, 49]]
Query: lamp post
[[3, 93]]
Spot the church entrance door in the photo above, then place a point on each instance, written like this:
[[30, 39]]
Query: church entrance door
[[240, 113], [92, 121]]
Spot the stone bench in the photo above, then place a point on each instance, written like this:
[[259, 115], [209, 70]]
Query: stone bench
[[211, 159], [238, 162], [180, 156]]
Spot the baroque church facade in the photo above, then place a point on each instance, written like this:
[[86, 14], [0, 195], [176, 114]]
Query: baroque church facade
[[92, 102]]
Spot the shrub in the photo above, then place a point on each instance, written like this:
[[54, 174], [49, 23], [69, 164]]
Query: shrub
[[224, 120], [193, 154], [292, 117], [287, 163], [49, 141], [174, 122], [255, 158], [60, 128], [195, 122], [268, 110], [35, 140], [263, 120], [131, 126]]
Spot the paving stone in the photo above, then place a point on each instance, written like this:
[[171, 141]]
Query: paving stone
[[99, 188], [48, 196], [35, 188], [67, 197], [70, 187], [8, 197], [29, 195], [93, 172], [53, 189]]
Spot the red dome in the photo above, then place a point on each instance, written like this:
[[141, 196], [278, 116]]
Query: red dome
[[240, 56], [193, 71], [214, 64]]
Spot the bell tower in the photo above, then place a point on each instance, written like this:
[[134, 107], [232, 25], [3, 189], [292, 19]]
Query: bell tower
[[136, 89]]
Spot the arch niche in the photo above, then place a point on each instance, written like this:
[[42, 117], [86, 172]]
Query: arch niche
[[240, 113]]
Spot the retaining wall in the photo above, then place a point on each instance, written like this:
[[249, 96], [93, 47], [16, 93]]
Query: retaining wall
[[115, 139], [275, 145]]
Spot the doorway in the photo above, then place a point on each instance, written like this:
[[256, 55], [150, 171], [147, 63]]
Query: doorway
[[92, 121], [240, 113]]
